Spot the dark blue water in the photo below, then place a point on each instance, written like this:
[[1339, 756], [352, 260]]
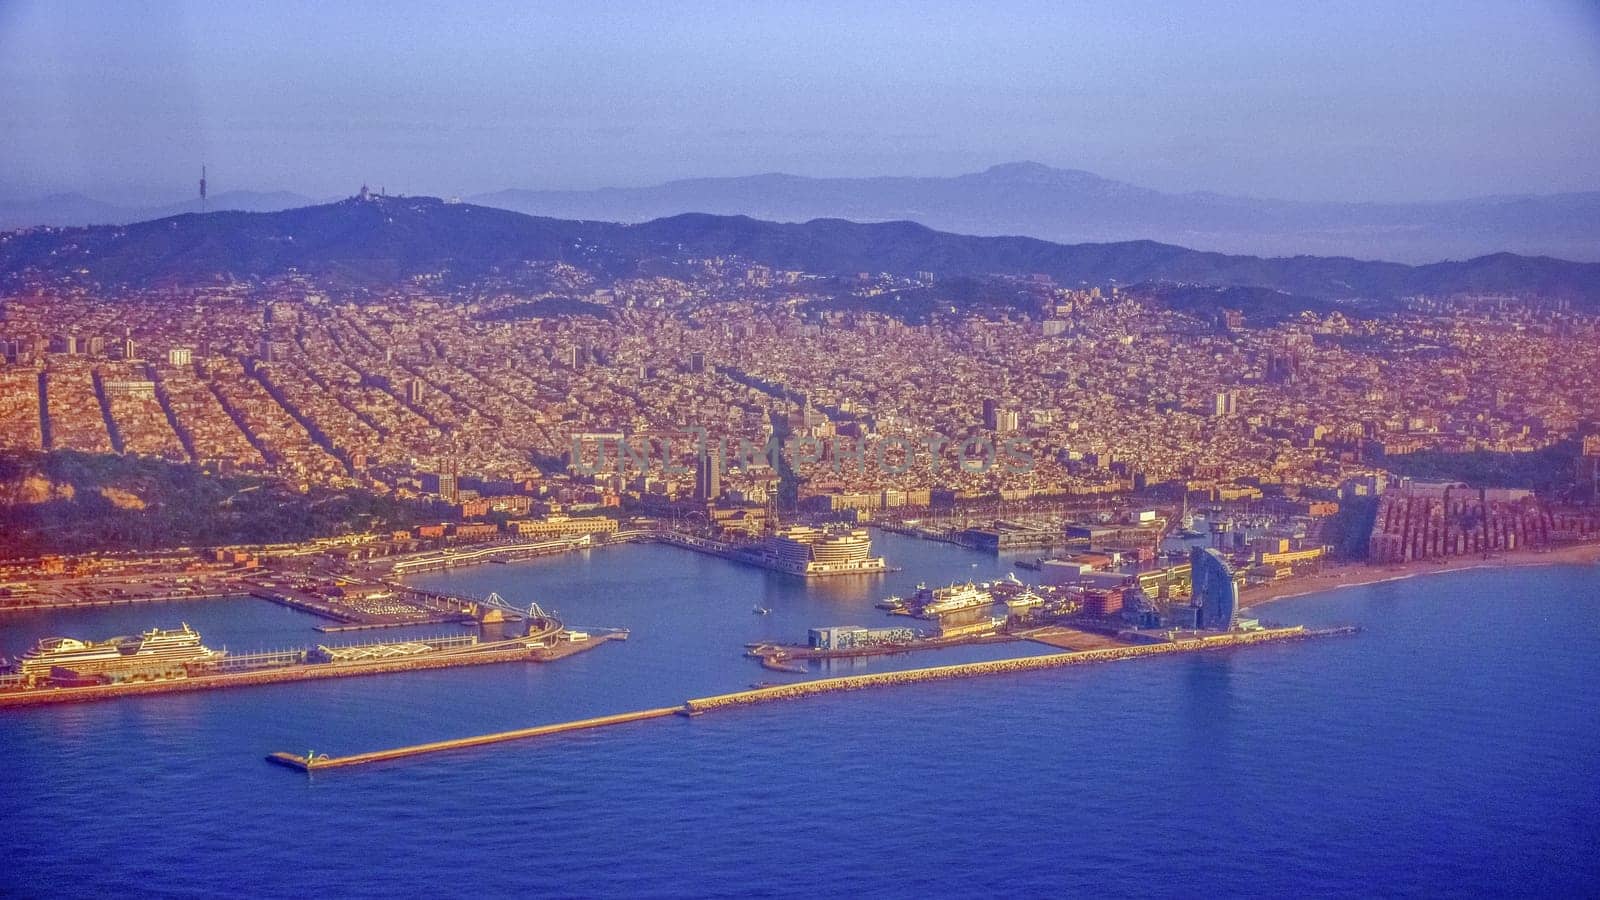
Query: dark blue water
[[1452, 747]]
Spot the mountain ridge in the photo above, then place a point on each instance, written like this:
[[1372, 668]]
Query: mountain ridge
[[69, 208], [1075, 206], [1062, 205], [382, 241]]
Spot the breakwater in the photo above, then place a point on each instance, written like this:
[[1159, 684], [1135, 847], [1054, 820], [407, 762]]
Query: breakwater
[[999, 667], [802, 689]]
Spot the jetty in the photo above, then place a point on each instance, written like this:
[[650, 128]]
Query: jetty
[[315, 762]]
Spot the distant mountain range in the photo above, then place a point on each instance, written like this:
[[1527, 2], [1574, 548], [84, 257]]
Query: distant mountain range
[[1062, 205], [1071, 206], [389, 240], [76, 209]]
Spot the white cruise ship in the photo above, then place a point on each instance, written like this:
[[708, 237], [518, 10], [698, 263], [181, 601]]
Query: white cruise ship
[[155, 650], [815, 552]]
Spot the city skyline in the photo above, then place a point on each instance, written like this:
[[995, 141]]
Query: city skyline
[[428, 467]]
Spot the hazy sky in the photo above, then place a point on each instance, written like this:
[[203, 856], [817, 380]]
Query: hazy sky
[[1314, 100]]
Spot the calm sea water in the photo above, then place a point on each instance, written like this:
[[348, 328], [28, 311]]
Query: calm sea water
[[1453, 747]]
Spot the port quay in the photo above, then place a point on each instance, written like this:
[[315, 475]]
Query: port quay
[[543, 644], [313, 761], [62, 670], [127, 666]]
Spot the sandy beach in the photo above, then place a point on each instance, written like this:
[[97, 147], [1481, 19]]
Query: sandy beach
[[1344, 575]]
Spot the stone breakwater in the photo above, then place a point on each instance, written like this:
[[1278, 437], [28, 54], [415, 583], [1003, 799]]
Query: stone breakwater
[[802, 689], [1000, 666]]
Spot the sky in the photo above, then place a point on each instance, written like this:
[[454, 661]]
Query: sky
[[1370, 101]]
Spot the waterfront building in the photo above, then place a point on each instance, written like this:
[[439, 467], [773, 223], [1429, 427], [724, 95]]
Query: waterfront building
[[562, 526], [1215, 591], [852, 637], [803, 550]]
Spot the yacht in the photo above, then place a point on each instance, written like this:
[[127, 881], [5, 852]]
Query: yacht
[[936, 602]]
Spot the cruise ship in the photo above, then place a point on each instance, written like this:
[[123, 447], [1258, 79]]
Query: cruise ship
[[155, 651], [931, 603], [816, 552]]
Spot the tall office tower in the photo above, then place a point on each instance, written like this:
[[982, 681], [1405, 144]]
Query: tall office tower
[[708, 477], [443, 483]]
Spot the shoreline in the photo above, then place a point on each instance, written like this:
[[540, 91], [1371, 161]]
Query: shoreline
[[1348, 575]]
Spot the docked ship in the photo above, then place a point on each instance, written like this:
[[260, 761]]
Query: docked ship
[[153, 653], [932, 603], [815, 552]]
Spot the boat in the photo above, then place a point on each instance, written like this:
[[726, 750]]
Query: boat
[[67, 653], [891, 603], [761, 610], [154, 651], [936, 602]]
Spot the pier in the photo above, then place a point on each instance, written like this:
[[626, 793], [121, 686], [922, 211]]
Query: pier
[[544, 645], [798, 690], [507, 551], [787, 657], [319, 762], [999, 666]]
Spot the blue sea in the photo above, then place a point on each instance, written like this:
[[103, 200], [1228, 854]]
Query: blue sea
[[1452, 747]]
